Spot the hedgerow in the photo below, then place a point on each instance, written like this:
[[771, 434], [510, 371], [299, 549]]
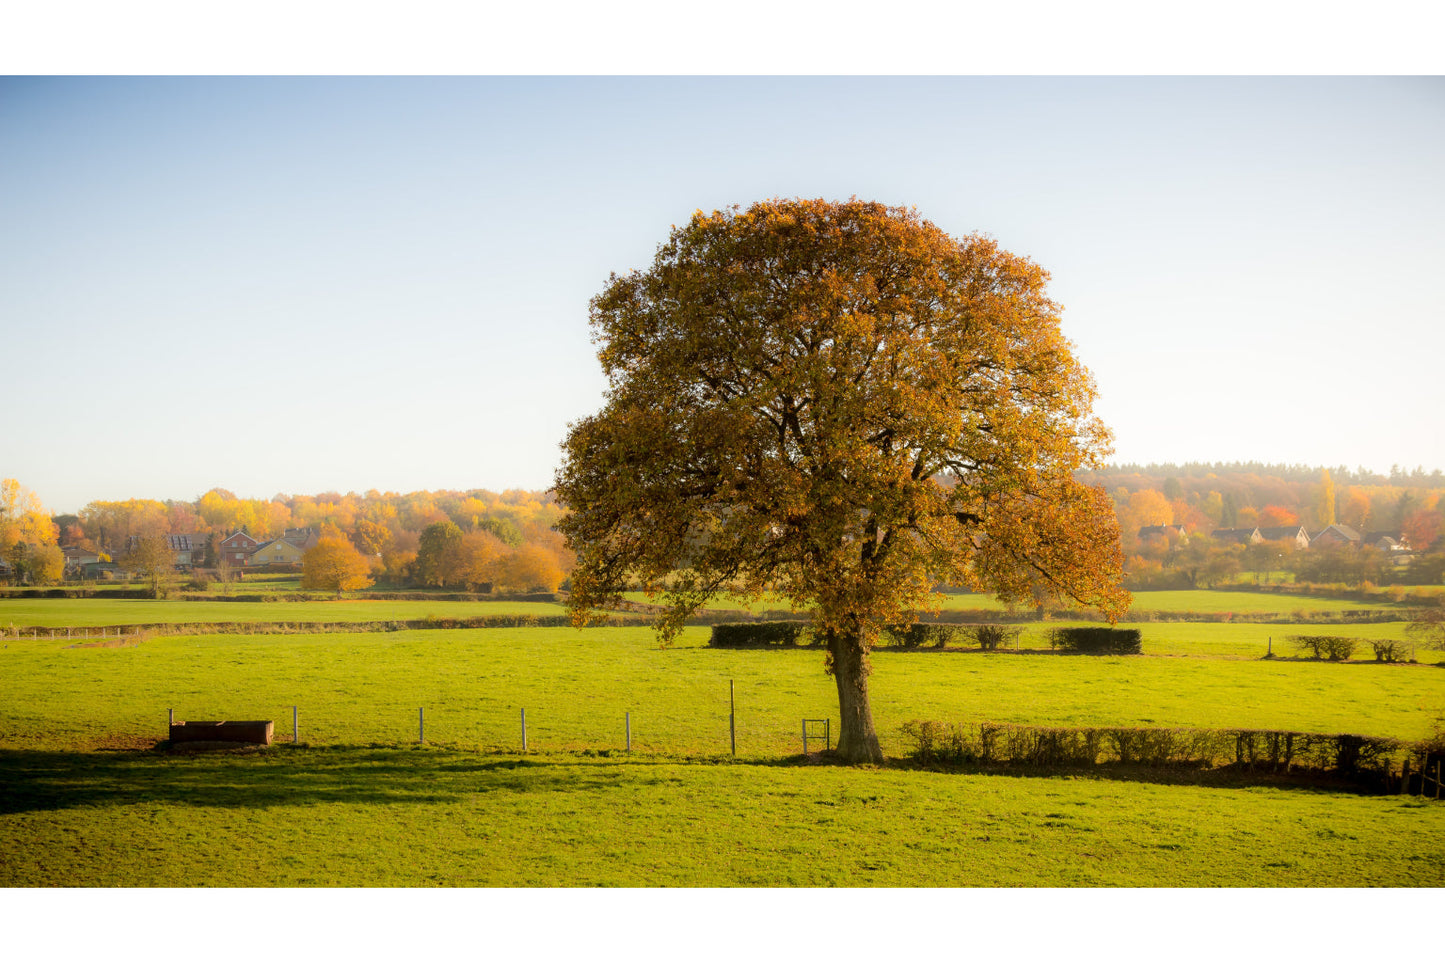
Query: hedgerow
[[1097, 640], [1361, 759], [933, 634], [1334, 648], [746, 635]]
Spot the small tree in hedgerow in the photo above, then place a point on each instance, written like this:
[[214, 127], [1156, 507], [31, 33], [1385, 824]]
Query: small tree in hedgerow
[[841, 403]]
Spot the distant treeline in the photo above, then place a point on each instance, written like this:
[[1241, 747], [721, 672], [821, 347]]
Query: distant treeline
[[1398, 476], [451, 539], [1391, 528]]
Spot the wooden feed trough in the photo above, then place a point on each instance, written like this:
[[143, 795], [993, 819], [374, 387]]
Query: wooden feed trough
[[257, 733]]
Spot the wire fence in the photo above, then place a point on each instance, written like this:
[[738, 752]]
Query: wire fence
[[725, 732]]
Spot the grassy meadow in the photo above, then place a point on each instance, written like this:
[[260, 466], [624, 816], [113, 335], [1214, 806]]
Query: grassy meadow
[[1244, 604], [59, 613], [578, 686], [359, 802], [373, 817]]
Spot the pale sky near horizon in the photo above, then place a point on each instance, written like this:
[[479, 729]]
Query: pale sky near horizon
[[308, 284]]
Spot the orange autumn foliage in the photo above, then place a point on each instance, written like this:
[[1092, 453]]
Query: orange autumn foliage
[[840, 403]]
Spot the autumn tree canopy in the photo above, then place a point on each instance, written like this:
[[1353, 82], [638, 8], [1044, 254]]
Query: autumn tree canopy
[[334, 565], [153, 558], [23, 518], [46, 564], [841, 403]]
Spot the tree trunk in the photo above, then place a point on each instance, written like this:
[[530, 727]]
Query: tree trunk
[[857, 740]]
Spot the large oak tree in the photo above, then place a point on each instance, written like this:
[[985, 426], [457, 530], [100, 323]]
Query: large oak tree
[[841, 403]]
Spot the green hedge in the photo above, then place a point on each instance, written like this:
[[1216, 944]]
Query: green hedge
[[747, 635], [743, 635], [1097, 640], [919, 634], [1334, 648], [1391, 650], [938, 634], [992, 637], [1360, 759]]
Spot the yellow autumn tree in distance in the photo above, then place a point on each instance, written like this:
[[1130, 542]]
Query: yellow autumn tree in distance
[[334, 565], [23, 518], [841, 403], [46, 564]]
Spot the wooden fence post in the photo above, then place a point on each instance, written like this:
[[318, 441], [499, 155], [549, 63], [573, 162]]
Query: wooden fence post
[[524, 730], [732, 718]]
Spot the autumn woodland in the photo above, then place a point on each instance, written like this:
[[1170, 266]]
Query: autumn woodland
[[467, 541], [1172, 525]]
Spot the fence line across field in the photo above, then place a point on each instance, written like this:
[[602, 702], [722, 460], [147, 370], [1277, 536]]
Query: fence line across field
[[1427, 781], [811, 728]]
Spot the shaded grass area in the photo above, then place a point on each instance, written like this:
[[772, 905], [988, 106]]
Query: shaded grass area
[[397, 817], [577, 686]]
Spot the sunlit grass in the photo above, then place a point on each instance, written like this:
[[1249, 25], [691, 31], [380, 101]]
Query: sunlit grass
[[577, 687], [362, 803], [114, 612], [1203, 601]]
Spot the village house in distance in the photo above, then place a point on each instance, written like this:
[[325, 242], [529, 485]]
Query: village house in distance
[[1334, 536], [237, 551]]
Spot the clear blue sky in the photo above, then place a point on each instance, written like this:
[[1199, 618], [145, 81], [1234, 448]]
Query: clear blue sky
[[303, 284]]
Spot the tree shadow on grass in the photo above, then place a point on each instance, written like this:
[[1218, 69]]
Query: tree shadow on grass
[[286, 777], [276, 778], [1221, 777]]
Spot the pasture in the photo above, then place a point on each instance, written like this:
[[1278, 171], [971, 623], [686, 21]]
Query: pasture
[[114, 612], [1243, 604], [578, 686], [397, 817], [359, 802]]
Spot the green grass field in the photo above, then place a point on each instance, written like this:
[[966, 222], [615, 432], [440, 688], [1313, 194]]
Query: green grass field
[[360, 803], [396, 817], [1243, 604], [1239, 640], [364, 688], [114, 612]]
